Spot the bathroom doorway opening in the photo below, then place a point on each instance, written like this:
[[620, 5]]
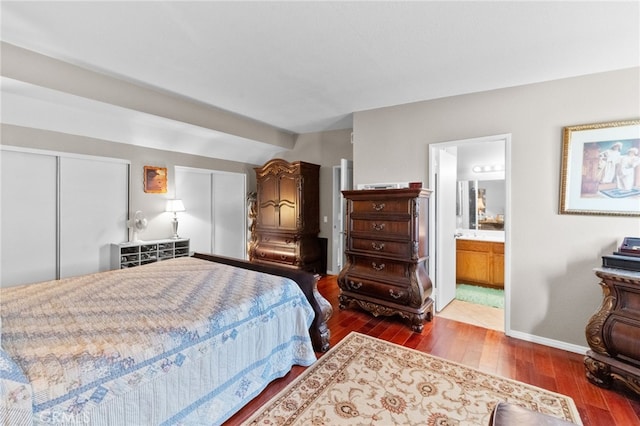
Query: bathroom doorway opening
[[342, 181], [471, 211]]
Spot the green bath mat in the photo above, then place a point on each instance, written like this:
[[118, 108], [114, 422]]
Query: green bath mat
[[480, 295]]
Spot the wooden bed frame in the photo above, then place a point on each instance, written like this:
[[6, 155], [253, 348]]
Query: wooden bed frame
[[308, 284]]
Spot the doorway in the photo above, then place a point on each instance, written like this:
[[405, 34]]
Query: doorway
[[342, 181], [476, 160]]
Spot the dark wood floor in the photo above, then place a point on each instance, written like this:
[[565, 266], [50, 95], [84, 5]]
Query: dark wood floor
[[487, 350]]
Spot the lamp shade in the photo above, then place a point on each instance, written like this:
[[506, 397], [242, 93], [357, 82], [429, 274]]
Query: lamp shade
[[175, 206], [481, 205]]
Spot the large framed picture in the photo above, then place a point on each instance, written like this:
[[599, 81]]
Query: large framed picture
[[601, 169], [155, 179]]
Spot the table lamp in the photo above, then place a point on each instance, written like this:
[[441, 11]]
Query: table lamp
[[175, 206]]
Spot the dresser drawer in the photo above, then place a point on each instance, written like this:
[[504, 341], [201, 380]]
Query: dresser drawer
[[382, 206], [381, 247], [275, 239], [377, 289], [276, 253], [382, 228], [380, 268]]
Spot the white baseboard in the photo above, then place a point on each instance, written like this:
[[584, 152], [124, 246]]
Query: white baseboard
[[558, 344], [582, 350]]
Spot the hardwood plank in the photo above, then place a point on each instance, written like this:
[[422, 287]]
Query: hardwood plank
[[596, 416], [542, 360], [490, 356], [566, 381], [621, 409], [488, 350]]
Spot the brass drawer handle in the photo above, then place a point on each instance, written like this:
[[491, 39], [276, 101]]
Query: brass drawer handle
[[395, 295], [377, 267], [378, 226], [377, 246], [355, 286], [377, 207]]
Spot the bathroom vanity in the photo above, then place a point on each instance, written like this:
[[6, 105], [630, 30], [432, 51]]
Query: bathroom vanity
[[480, 261], [480, 219]]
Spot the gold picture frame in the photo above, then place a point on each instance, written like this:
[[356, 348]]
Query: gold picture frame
[[155, 179], [600, 172]]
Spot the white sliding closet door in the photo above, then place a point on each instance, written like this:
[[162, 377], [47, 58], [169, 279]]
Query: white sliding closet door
[[215, 218], [60, 213], [93, 213], [229, 205], [28, 220], [193, 187]]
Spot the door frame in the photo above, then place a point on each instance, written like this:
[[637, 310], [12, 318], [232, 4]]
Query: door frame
[[337, 229], [508, 212], [342, 180], [444, 276]]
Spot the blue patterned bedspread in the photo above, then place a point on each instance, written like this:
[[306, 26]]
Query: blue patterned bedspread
[[178, 342]]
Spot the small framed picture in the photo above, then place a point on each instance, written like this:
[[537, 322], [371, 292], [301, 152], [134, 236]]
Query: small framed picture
[[601, 169], [155, 179]]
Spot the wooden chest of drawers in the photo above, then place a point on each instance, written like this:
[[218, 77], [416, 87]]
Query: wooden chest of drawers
[[386, 272]]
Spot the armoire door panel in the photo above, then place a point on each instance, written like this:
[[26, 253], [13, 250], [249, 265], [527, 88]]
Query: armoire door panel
[[268, 215], [288, 200], [269, 188], [288, 190], [288, 215]]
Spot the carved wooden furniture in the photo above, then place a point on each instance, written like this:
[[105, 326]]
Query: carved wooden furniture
[[480, 262], [613, 332], [287, 215], [386, 272]]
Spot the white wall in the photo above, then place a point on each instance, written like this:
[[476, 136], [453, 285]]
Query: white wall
[[554, 291]]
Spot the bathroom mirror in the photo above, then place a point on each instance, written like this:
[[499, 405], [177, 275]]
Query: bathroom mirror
[[480, 204]]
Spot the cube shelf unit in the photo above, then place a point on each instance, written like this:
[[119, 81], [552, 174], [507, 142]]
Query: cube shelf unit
[[136, 253]]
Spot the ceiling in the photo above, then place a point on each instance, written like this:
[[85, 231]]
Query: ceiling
[[307, 66]]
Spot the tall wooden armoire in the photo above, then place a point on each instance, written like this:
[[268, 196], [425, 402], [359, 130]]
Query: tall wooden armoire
[[287, 219]]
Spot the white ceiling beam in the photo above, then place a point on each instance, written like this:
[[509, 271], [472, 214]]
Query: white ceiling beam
[[30, 67]]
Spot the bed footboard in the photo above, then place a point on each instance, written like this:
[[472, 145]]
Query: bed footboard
[[307, 282]]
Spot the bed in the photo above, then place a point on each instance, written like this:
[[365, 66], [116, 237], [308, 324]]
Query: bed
[[184, 341]]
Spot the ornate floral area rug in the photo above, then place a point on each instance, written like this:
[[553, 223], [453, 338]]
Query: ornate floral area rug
[[364, 380]]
